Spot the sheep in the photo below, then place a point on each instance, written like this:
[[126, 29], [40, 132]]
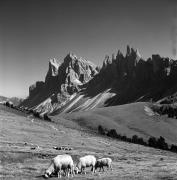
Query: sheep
[[103, 162], [76, 169], [86, 161], [61, 162]]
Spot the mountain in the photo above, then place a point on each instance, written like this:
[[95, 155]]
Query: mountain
[[63, 81], [2, 98], [77, 84], [16, 101]]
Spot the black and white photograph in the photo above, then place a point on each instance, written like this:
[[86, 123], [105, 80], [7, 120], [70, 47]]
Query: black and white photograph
[[88, 89]]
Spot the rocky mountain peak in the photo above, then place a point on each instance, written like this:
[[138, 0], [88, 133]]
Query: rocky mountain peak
[[70, 57], [53, 69], [54, 62], [119, 55], [128, 53], [106, 61], [125, 75], [134, 53], [137, 54]]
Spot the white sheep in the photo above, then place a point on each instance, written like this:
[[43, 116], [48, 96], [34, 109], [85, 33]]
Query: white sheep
[[76, 169], [104, 162], [87, 161], [61, 162]]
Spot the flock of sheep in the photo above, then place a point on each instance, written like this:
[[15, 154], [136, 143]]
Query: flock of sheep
[[63, 164]]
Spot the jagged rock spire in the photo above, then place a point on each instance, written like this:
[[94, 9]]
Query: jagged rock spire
[[53, 69], [106, 61], [128, 50]]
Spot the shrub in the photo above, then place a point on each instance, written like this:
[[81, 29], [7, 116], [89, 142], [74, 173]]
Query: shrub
[[7, 104], [161, 144], [36, 114], [129, 139], [46, 117], [141, 141], [112, 133], [101, 130], [138, 140], [152, 142], [134, 139], [173, 148], [124, 138]]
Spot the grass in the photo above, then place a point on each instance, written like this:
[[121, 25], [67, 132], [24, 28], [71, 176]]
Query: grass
[[129, 119], [18, 134]]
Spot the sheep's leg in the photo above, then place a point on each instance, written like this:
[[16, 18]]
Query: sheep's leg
[[59, 173], [100, 169], [69, 171], [64, 172], [93, 169], [72, 171], [84, 171]]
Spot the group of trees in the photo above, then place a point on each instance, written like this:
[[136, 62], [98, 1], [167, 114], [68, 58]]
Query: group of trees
[[163, 109], [9, 104], [28, 111], [158, 143], [37, 115]]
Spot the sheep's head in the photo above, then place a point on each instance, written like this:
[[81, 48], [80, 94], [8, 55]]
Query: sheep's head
[[76, 170], [97, 165], [79, 165], [47, 173]]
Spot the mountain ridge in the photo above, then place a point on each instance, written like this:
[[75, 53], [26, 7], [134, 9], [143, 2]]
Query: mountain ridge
[[77, 84]]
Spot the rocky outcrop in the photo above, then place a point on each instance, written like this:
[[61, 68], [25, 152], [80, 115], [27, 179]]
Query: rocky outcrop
[[77, 84], [53, 69], [62, 80], [132, 58], [73, 73], [36, 88], [51, 77]]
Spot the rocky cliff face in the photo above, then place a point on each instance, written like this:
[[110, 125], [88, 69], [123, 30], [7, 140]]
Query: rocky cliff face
[[77, 84], [132, 78], [74, 72], [62, 80], [51, 77]]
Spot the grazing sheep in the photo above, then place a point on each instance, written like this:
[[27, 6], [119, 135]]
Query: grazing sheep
[[59, 163], [104, 162], [86, 161], [76, 170]]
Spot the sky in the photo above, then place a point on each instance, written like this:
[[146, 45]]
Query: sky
[[33, 31]]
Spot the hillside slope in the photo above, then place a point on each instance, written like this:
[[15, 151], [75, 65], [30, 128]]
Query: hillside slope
[[20, 160], [129, 119]]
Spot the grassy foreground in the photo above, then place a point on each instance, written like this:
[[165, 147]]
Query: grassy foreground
[[26, 148]]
